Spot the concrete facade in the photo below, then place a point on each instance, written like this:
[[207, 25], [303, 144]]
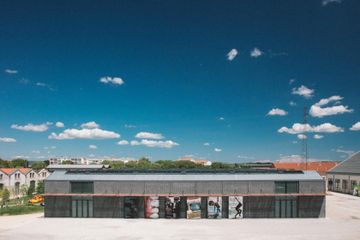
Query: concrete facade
[[110, 193]]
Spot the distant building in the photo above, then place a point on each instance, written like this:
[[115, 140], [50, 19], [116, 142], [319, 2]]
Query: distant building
[[345, 176], [14, 178], [321, 167], [200, 161]]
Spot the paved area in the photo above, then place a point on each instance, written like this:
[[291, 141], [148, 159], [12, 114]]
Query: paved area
[[342, 222]]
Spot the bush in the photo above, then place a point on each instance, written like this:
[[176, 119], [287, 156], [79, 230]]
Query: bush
[[18, 210]]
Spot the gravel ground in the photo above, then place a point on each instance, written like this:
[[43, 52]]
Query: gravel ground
[[342, 222]]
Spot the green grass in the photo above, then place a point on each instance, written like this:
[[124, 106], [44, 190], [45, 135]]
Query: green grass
[[19, 210]]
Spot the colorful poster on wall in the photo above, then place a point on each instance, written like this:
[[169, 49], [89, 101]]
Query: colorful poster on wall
[[214, 207], [172, 207], [235, 207], [193, 208], [152, 207]]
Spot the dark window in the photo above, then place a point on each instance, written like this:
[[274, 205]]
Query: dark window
[[286, 187], [337, 183], [344, 184], [82, 187], [286, 207], [1, 186]]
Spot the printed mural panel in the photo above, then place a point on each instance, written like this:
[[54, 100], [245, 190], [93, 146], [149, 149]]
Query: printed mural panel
[[152, 207], [193, 208], [235, 207], [214, 207], [172, 207]]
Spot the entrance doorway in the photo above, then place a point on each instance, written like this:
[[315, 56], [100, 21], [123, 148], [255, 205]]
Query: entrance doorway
[[286, 207], [134, 207], [82, 207]]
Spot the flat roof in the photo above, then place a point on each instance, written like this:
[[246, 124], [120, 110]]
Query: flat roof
[[185, 175]]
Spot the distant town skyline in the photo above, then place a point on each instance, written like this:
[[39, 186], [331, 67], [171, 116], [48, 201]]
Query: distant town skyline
[[218, 80]]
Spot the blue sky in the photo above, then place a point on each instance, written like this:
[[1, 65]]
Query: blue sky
[[202, 75]]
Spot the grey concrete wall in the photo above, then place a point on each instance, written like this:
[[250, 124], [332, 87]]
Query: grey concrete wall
[[312, 187], [57, 186], [57, 207]]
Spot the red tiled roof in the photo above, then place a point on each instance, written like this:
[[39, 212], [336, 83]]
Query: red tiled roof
[[320, 167], [9, 171]]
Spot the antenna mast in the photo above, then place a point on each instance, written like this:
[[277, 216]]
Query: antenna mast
[[304, 139]]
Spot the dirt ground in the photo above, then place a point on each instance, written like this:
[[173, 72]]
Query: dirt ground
[[342, 222]]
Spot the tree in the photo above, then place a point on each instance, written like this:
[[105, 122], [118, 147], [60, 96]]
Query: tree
[[5, 196], [16, 163], [40, 187], [67, 162], [24, 189], [30, 191], [38, 165]]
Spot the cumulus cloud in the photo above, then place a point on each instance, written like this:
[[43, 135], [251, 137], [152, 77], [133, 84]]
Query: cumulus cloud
[[44, 85], [85, 133], [348, 152], [303, 91], [11, 71], [154, 143], [297, 158], [255, 53], [149, 135], [123, 142], [32, 127], [301, 136], [59, 124], [89, 125], [277, 111], [92, 146], [355, 127], [318, 136], [112, 80], [7, 140], [217, 149], [298, 128], [206, 144], [326, 2], [318, 109], [232, 54]]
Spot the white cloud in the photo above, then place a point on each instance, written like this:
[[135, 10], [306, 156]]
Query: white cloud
[[89, 125], [44, 85], [317, 110], [217, 149], [112, 80], [153, 143], [355, 127], [92, 146], [123, 142], [318, 136], [149, 135], [35, 151], [348, 152], [326, 2], [293, 104], [255, 53], [303, 91], [11, 71], [232, 54], [85, 133], [59, 124], [206, 144], [291, 81], [297, 158], [277, 111], [32, 127], [298, 128], [7, 140], [301, 136], [221, 118]]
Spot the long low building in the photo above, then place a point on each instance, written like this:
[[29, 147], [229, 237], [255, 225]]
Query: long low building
[[232, 194]]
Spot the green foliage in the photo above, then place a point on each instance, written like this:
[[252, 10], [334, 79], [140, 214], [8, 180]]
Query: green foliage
[[67, 162], [18, 210], [38, 165], [30, 191], [16, 163], [5, 196], [40, 187], [24, 189]]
